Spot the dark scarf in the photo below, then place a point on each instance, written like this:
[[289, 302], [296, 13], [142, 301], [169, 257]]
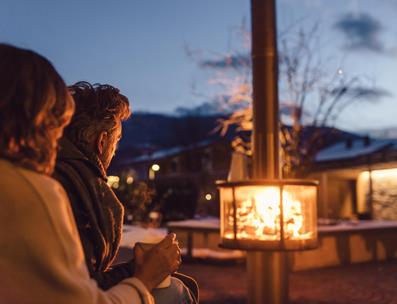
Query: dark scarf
[[98, 212]]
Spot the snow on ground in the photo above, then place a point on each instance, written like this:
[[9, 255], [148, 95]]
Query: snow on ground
[[221, 254], [132, 234], [206, 222]]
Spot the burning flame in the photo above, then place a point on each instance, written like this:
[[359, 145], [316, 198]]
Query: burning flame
[[258, 217]]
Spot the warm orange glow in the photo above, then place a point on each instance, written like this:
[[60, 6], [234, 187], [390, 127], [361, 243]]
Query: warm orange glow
[[130, 180], [379, 174], [384, 181], [113, 181], [258, 217]]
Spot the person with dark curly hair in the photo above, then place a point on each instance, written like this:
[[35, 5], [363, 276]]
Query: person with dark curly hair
[[41, 255], [85, 153]]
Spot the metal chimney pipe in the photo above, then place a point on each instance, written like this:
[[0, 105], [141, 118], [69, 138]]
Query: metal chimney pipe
[[265, 90], [267, 271]]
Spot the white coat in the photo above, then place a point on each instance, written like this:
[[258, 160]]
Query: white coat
[[41, 257]]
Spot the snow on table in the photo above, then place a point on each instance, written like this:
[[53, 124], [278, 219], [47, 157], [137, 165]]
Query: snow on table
[[221, 254], [213, 224], [357, 226], [204, 226], [210, 223], [133, 234]]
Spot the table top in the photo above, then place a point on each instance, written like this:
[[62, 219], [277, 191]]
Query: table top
[[213, 225]]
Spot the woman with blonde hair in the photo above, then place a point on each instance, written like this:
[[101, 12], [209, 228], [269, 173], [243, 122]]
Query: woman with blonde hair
[[41, 258]]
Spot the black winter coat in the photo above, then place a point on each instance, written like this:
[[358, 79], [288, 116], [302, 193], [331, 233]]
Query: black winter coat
[[97, 212]]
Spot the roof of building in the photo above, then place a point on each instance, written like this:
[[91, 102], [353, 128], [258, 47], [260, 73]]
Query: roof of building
[[340, 147], [164, 153], [354, 148]]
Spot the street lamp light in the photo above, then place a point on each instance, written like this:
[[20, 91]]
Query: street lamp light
[[152, 171], [155, 167], [129, 180]]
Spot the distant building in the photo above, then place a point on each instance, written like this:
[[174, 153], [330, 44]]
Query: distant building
[[200, 164], [358, 175]]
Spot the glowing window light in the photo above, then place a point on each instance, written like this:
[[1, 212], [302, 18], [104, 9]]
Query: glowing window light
[[129, 180], [379, 174], [385, 173], [384, 179]]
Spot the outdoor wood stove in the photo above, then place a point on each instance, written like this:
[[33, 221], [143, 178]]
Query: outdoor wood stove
[[269, 214]]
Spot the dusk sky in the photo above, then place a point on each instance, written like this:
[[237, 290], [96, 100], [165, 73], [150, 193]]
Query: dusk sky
[[139, 46]]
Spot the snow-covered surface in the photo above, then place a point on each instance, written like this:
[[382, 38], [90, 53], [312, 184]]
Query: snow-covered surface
[[341, 226], [358, 148], [221, 254], [133, 234], [352, 226], [163, 153], [209, 223]]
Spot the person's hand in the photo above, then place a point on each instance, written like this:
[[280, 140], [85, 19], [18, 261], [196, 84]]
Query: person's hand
[[153, 265]]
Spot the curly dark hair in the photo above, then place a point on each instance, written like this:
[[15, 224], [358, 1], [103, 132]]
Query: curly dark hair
[[99, 107], [34, 107]]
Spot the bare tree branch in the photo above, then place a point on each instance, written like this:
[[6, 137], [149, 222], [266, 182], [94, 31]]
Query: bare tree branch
[[311, 97]]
